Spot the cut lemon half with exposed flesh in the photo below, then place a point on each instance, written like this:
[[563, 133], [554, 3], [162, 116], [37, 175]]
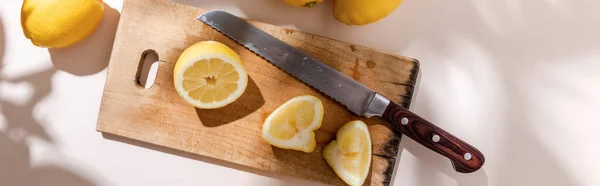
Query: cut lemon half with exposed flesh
[[292, 125], [209, 75], [350, 154]]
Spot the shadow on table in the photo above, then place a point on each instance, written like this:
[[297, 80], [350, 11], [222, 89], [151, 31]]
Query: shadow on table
[[91, 55], [2, 41], [17, 169], [18, 118], [20, 125]]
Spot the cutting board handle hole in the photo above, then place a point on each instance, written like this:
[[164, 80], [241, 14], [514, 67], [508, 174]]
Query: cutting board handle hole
[[147, 69]]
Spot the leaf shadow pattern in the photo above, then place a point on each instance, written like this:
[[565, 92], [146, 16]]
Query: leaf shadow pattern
[[20, 125], [17, 169], [2, 41], [20, 117], [22, 122]]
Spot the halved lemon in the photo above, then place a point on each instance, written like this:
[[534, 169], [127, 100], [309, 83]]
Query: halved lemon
[[209, 75], [292, 125], [350, 154]]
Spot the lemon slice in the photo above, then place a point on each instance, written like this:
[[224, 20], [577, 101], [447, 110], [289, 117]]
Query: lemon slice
[[350, 154], [292, 125], [209, 75]]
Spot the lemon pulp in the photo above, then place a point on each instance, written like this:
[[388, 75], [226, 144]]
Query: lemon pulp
[[209, 74], [350, 154], [292, 125], [210, 80]]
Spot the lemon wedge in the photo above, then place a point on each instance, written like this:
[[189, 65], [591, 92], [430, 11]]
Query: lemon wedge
[[292, 125], [350, 154], [209, 75]]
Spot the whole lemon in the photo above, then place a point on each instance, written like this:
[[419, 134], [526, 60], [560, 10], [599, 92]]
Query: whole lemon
[[362, 12], [303, 3], [60, 23]]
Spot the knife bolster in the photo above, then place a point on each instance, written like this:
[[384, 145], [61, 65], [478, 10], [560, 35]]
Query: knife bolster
[[376, 105]]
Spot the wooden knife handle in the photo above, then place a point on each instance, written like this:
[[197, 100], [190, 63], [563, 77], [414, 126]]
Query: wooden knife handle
[[465, 158]]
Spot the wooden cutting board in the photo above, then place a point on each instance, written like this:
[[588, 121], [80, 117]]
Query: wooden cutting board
[[159, 116]]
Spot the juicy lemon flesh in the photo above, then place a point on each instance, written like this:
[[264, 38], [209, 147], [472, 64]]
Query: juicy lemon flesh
[[350, 154], [353, 147], [209, 75], [210, 80], [297, 117], [292, 125]]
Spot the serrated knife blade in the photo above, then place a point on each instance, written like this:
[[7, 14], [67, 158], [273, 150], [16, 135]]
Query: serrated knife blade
[[358, 98], [340, 87]]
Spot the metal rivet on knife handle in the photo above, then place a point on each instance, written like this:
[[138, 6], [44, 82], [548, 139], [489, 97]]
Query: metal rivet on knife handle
[[435, 138], [404, 121], [463, 156], [467, 156]]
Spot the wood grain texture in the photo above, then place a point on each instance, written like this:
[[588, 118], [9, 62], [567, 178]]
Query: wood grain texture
[[464, 157], [232, 133]]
